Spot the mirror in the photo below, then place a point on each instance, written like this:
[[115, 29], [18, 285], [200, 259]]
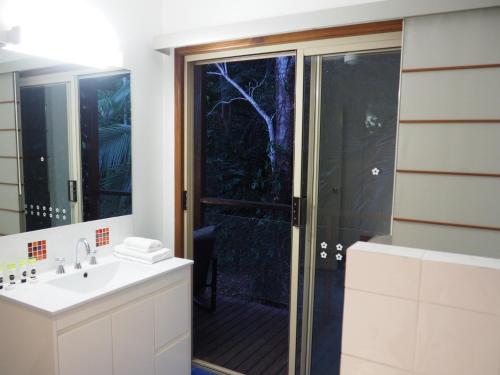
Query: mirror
[[65, 143]]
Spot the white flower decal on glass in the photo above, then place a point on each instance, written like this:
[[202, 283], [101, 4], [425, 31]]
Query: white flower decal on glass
[[339, 247], [323, 254], [324, 245], [339, 257], [375, 171]]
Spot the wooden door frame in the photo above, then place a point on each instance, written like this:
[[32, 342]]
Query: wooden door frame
[[179, 84]]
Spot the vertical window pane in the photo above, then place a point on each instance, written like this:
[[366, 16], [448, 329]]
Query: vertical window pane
[[105, 123]]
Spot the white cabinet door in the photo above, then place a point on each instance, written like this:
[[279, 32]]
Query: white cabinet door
[[172, 314], [134, 339], [175, 360], [87, 349]]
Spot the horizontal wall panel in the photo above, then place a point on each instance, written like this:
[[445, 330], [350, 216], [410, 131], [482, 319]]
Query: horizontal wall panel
[[6, 87], [454, 94], [9, 197], [450, 147], [444, 198], [444, 238], [459, 38], [8, 144], [9, 222], [7, 120], [8, 170]]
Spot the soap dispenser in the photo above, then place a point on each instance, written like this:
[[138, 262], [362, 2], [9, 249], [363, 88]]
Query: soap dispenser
[[11, 275], [33, 276], [23, 270]]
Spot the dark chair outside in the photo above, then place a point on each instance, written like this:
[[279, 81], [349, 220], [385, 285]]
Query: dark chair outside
[[204, 256]]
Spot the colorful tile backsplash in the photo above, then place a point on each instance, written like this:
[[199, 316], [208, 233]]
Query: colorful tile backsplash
[[102, 237], [38, 250]]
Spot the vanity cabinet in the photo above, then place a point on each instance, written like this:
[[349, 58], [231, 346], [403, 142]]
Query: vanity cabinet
[[144, 329], [134, 338], [86, 349]]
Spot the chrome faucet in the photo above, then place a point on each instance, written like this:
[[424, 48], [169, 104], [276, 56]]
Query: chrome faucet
[[78, 265]]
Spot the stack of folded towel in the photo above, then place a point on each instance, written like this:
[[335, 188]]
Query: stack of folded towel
[[142, 250]]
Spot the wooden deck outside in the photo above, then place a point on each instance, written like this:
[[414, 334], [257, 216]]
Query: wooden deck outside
[[246, 337]]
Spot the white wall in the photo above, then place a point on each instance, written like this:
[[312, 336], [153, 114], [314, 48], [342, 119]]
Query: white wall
[[197, 21], [453, 39], [201, 14]]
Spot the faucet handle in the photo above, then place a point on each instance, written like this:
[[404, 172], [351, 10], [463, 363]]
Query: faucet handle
[[93, 253], [60, 267]]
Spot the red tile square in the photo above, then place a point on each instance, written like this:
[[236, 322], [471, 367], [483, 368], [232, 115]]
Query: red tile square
[[37, 249], [102, 236]]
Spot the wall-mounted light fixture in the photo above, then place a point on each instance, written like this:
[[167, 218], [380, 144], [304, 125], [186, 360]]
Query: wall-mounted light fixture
[[68, 31], [11, 36]]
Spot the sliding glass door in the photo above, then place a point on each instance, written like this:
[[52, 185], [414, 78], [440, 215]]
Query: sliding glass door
[[353, 101], [290, 159]]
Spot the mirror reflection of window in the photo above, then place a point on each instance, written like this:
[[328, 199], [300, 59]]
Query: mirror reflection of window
[[105, 124], [45, 156]]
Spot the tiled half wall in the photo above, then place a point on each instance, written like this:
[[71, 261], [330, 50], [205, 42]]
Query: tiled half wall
[[409, 311]]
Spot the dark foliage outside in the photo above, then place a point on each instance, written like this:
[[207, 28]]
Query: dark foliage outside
[[249, 114], [106, 138]]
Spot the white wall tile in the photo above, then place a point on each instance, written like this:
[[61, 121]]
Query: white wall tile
[[457, 147], [444, 198], [355, 366], [462, 286], [379, 328], [450, 39], [453, 94], [457, 342], [375, 272]]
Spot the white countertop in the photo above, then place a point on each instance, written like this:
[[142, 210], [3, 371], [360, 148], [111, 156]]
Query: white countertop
[[53, 294]]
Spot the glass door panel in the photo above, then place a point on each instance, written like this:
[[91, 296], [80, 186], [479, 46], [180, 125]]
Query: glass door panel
[[242, 174], [354, 99], [45, 154]]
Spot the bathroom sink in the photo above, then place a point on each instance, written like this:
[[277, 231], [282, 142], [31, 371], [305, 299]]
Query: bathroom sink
[[54, 294], [102, 276], [91, 279]]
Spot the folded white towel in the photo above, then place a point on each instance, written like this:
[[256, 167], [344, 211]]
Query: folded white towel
[[152, 257], [146, 245], [133, 259]]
